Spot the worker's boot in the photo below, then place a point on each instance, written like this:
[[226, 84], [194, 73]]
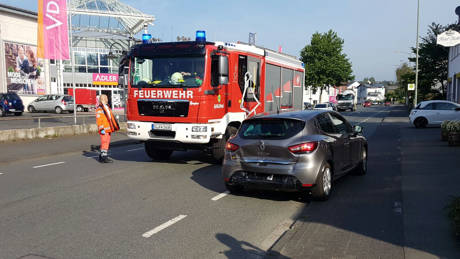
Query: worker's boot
[[106, 159]]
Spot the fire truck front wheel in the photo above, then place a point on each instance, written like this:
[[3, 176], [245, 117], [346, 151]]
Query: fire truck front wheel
[[155, 153], [218, 147]]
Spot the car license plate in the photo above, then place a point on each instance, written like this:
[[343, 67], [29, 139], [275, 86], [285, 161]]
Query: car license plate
[[12, 110], [161, 126]]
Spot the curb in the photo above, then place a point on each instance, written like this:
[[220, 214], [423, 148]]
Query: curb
[[61, 131]]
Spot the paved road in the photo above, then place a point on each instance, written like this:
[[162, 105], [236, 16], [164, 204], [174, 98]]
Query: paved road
[[70, 206], [32, 120]]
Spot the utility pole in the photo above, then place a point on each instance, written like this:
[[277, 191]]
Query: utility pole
[[416, 55]]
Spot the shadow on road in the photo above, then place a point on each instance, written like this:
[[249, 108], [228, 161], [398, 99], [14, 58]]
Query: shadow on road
[[241, 249]]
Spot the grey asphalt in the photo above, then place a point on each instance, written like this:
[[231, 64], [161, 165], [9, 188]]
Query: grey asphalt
[[395, 211], [35, 120], [78, 208]]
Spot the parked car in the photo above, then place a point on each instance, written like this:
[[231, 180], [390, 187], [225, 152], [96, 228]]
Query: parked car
[[52, 102], [307, 106], [294, 151], [324, 106], [367, 104], [434, 113], [11, 103], [387, 103]]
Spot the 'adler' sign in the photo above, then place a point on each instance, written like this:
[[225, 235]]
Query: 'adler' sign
[[449, 38]]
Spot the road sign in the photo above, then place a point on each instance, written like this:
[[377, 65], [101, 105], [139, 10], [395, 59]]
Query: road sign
[[410, 87], [449, 38]]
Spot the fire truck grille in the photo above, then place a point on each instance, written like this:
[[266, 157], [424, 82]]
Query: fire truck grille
[[163, 108]]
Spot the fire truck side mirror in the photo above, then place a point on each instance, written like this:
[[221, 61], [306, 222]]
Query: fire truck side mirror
[[219, 70]]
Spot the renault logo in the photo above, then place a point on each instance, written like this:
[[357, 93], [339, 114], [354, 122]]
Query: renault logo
[[262, 145]]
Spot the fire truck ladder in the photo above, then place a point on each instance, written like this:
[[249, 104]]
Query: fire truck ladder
[[249, 90]]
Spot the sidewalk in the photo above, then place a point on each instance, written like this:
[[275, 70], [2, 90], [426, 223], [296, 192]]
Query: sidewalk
[[19, 150], [399, 213]]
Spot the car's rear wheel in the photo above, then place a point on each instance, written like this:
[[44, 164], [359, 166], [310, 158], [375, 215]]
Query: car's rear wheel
[[31, 109], [420, 122], [361, 169], [79, 108], [323, 187], [58, 110], [218, 148], [234, 189], [2, 112], [157, 154]]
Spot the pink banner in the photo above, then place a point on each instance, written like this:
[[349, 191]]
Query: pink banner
[[53, 39], [105, 79]]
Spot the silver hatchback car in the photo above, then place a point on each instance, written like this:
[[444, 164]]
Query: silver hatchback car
[[295, 151], [52, 102]]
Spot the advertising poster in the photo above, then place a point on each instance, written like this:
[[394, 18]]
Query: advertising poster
[[24, 71]]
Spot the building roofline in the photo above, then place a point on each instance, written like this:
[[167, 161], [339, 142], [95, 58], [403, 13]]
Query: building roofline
[[18, 11]]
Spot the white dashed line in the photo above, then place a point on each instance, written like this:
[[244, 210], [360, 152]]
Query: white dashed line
[[163, 226], [39, 166], [1, 173], [220, 196], [135, 149]]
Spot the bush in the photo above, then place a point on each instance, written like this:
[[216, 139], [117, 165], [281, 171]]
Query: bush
[[444, 125], [453, 212], [453, 126]]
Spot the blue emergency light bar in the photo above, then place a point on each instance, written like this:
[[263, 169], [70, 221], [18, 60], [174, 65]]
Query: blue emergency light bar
[[201, 36], [146, 38]]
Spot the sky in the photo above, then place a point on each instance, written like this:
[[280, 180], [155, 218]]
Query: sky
[[378, 35]]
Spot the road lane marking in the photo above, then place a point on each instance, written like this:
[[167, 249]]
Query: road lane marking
[[57, 163], [163, 226], [1, 173], [276, 234], [220, 196], [135, 149]]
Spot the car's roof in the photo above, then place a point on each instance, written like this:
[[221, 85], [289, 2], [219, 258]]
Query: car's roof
[[301, 115], [436, 101]]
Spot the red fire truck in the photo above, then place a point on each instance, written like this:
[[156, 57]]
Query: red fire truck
[[194, 95]]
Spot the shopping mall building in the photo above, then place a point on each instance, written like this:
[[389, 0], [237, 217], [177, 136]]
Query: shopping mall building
[[100, 31]]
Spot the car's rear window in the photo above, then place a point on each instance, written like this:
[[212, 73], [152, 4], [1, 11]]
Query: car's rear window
[[270, 128], [12, 97], [320, 106], [68, 98]]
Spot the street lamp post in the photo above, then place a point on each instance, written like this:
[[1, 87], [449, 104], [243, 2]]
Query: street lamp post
[[416, 55]]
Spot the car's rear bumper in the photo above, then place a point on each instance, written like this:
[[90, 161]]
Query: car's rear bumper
[[285, 177]]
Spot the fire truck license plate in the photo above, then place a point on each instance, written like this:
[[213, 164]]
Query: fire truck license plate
[[161, 126]]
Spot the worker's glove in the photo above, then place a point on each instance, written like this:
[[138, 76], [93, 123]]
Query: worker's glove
[[103, 132]]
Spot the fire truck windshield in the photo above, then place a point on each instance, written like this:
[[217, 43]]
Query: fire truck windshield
[[167, 72], [346, 97]]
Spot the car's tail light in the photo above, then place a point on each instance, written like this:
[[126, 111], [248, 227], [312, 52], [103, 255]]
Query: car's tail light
[[5, 102], [306, 147], [63, 102], [231, 147]]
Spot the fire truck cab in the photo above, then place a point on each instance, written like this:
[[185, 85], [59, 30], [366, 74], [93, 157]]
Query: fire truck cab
[[194, 95]]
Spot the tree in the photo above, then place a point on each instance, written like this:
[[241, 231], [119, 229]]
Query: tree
[[433, 61], [325, 64], [404, 75], [369, 80]]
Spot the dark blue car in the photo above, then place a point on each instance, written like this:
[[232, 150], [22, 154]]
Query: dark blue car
[[10, 103]]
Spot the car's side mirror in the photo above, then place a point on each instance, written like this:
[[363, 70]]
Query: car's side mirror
[[219, 70], [357, 129]]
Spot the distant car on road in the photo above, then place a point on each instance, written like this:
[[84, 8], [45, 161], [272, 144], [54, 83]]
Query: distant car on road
[[10, 103], [296, 151], [324, 106], [387, 103], [434, 113], [307, 106], [367, 104], [52, 102]]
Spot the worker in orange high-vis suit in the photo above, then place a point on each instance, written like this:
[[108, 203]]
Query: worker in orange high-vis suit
[[106, 124]]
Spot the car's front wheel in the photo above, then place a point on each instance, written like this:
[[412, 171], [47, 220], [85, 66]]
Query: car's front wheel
[[323, 187], [157, 154], [58, 110], [31, 109], [361, 169], [420, 122], [234, 189]]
